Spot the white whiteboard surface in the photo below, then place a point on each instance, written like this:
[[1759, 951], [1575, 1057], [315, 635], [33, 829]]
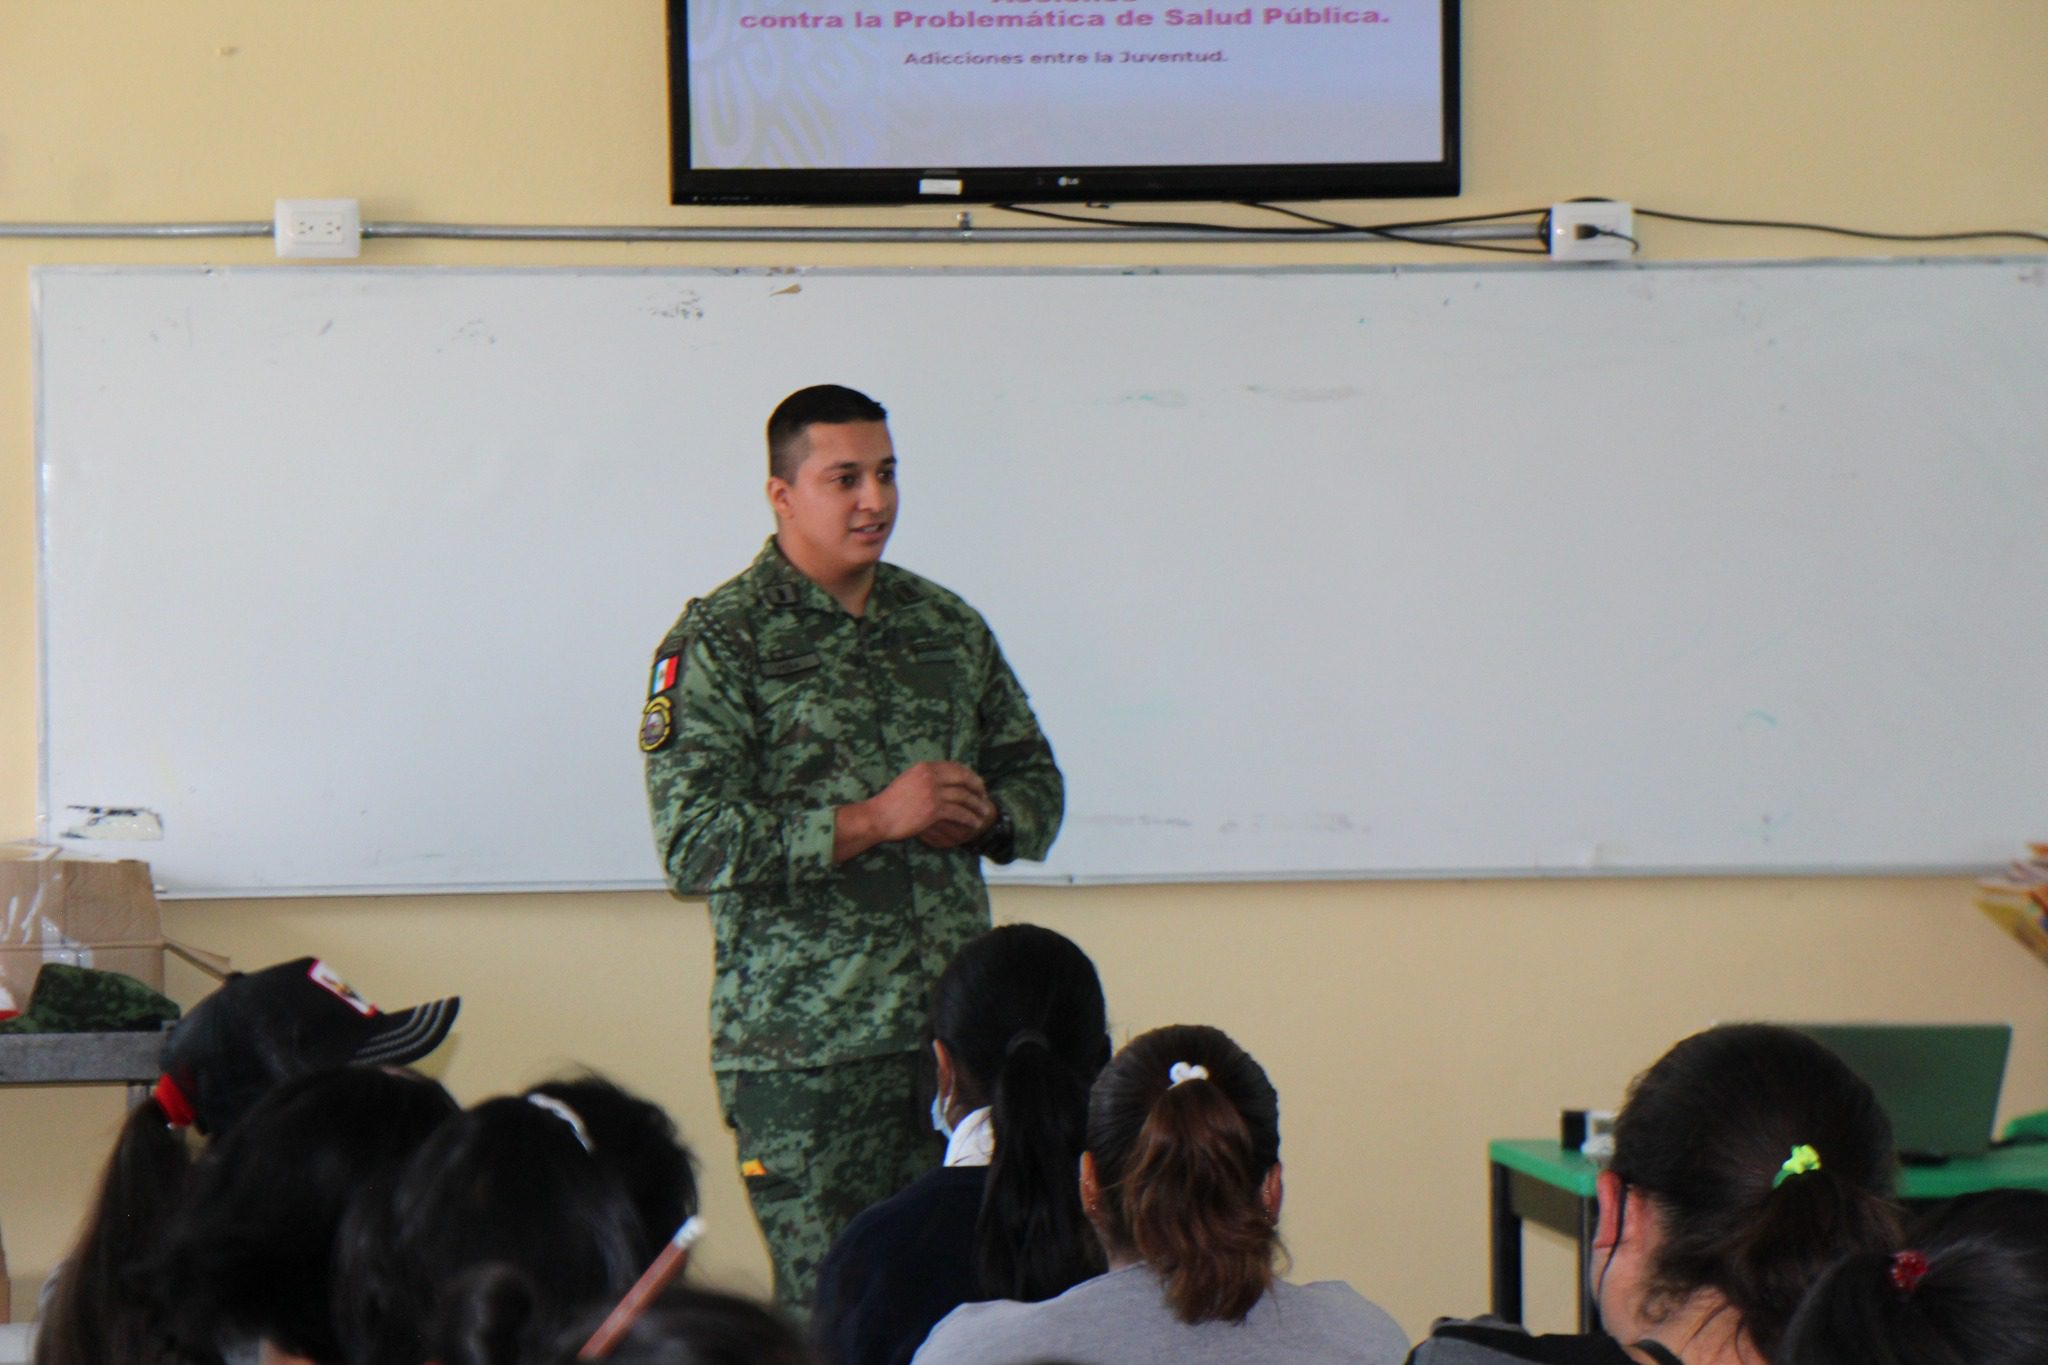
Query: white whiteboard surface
[[350, 577]]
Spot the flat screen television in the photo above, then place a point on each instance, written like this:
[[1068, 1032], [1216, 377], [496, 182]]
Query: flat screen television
[[996, 101]]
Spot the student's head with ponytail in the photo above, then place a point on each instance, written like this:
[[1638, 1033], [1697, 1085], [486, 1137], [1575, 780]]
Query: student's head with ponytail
[[1747, 1161], [1183, 1169], [99, 1310], [1019, 1026], [1969, 1288], [541, 1203]]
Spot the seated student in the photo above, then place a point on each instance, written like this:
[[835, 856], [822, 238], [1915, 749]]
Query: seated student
[[1181, 1179], [561, 1193], [1747, 1160], [247, 1258], [1019, 1033], [232, 1048], [1970, 1289]]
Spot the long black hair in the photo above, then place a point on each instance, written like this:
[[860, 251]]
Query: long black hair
[[99, 1310], [1714, 1134], [517, 1182], [249, 1255], [1970, 1288], [1020, 1011]]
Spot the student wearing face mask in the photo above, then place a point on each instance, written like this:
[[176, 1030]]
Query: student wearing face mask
[[1019, 1034]]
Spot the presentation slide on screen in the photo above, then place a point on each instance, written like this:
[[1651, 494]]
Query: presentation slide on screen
[[876, 84]]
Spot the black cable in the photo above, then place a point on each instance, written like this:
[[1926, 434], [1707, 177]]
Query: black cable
[[1411, 223], [1398, 232], [1843, 231], [1395, 232], [1456, 246], [1323, 227], [1225, 228]]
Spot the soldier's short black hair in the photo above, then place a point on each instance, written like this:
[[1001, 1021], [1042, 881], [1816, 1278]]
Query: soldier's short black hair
[[806, 408]]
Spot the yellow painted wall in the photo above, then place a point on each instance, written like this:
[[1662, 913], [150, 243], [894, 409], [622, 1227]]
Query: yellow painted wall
[[1405, 1023]]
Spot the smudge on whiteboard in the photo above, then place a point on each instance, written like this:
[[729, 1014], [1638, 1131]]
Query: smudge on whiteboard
[[116, 822]]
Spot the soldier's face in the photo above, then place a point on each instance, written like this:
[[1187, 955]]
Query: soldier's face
[[835, 517]]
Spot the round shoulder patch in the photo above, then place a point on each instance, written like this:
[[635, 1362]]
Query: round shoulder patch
[[657, 725]]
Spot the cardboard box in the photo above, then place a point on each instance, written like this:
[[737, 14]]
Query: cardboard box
[[88, 914]]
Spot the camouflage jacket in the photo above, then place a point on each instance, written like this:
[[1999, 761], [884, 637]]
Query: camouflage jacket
[[771, 707]]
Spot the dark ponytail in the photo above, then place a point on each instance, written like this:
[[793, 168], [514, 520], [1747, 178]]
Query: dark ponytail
[[99, 1312], [1973, 1290], [1020, 1012], [1184, 1128], [1717, 1134]]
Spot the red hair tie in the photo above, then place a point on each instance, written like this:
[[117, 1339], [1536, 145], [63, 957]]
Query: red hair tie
[[177, 1109], [1908, 1269]]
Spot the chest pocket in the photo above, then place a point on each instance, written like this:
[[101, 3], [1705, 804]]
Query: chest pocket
[[800, 726], [787, 692], [929, 674], [933, 706]]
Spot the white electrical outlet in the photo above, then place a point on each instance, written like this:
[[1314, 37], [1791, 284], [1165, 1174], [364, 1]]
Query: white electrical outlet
[[319, 227], [1592, 230]]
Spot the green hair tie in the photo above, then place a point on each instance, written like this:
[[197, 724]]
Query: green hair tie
[[1802, 1160]]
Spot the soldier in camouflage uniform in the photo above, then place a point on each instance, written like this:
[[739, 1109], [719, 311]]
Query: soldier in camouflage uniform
[[833, 745]]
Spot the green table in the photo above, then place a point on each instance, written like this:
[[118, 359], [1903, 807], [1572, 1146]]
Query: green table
[[1538, 1180]]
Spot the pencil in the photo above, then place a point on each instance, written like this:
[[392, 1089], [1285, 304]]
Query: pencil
[[652, 1281]]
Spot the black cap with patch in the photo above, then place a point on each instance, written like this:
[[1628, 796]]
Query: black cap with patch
[[268, 1026]]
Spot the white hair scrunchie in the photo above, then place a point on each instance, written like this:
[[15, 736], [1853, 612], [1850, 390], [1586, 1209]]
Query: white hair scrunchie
[[565, 1114], [1186, 1071]]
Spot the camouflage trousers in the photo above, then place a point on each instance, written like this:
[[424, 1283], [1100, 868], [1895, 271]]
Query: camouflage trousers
[[818, 1145]]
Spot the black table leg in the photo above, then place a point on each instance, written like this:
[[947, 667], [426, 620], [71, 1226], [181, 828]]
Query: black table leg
[[1506, 1247], [1589, 1308]]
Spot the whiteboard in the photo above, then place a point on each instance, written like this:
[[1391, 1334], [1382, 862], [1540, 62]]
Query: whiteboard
[[350, 577]]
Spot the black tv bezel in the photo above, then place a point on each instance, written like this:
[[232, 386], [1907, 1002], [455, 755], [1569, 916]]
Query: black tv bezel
[[1057, 184]]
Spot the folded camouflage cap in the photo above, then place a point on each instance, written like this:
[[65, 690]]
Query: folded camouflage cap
[[268, 1026], [68, 999]]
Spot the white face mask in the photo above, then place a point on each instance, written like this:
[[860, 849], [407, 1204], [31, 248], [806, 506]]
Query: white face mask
[[940, 1123]]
